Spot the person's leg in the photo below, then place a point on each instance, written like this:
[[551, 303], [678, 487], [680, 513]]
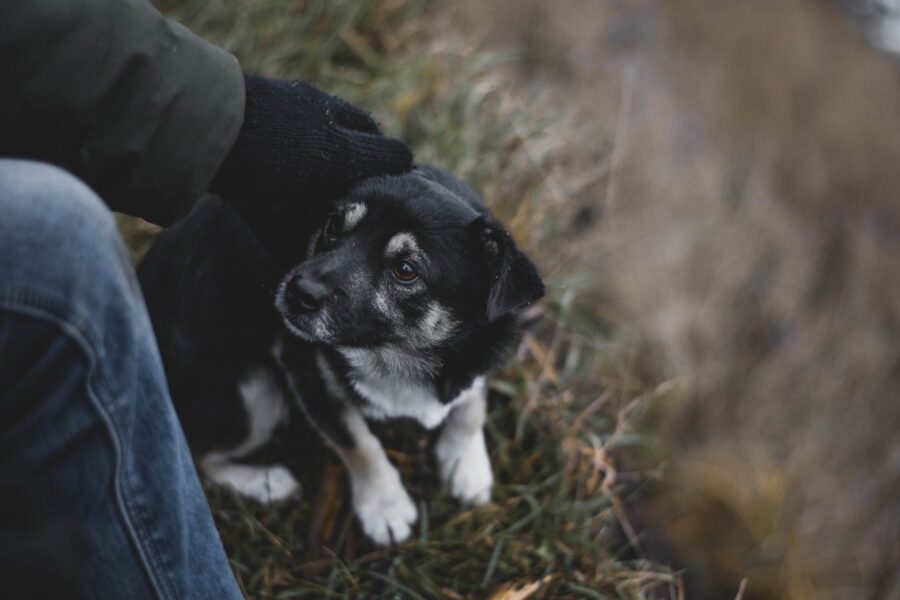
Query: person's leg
[[84, 407]]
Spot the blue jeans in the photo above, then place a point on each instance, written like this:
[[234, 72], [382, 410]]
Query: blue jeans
[[85, 412]]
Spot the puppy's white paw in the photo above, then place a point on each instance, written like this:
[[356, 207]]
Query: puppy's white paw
[[464, 465], [384, 508], [280, 484], [263, 484]]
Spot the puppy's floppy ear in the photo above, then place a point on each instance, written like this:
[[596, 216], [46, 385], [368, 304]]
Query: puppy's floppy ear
[[513, 280]]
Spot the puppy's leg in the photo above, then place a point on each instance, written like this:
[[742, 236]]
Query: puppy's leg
[[384, 508], [382, 504], [461, 453], [265, 408]]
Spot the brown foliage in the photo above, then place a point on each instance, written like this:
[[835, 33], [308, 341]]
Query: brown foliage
[[756, 249]]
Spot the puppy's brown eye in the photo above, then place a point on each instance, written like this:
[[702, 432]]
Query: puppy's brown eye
[[404, 272]]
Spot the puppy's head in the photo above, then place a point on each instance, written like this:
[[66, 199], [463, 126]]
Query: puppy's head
[[412, 261]]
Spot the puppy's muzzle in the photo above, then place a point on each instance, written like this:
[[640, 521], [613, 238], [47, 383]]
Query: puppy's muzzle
[[304, 295]]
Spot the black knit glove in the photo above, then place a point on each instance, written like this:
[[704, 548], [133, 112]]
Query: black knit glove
[[298, 149]]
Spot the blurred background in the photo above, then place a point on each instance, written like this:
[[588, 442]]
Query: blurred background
[[707, 403]]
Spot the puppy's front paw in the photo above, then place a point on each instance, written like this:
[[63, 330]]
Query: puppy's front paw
[[464, 465], [384, 508]]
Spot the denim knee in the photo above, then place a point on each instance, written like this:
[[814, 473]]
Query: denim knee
[[47, 206], [40, 195], [58, 241]]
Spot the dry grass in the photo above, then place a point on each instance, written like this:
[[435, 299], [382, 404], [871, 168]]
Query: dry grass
[[757, 258]]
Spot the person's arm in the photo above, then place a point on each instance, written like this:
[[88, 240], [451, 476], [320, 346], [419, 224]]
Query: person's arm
[[134, 104], [151, 116]]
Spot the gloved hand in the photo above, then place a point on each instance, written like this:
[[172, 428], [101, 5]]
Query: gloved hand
[[299, 146]]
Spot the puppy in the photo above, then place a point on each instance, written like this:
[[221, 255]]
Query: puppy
[[407, 298]]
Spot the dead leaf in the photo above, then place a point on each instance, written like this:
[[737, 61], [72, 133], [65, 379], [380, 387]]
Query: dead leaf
[[511, 591]]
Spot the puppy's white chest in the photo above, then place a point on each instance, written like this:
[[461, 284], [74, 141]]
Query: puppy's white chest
[[387, 399]]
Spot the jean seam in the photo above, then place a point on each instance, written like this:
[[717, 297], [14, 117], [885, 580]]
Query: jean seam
[[45, 306]]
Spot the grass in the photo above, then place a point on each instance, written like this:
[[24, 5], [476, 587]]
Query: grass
[[560, 417]]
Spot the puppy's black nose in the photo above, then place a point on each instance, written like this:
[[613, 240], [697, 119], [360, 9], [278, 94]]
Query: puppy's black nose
[[305, 295]]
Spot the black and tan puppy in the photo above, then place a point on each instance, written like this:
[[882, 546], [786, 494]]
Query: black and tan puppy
[[406, 299]]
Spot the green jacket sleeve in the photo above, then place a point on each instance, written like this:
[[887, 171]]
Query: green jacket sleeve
[[129, 101]]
